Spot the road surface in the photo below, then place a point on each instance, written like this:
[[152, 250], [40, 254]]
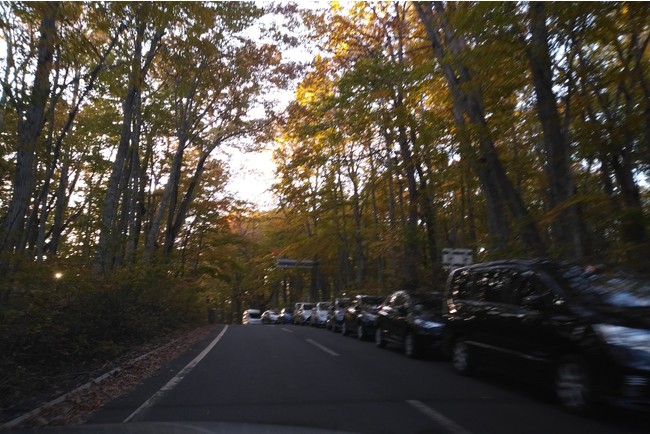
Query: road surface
[[305, 377]]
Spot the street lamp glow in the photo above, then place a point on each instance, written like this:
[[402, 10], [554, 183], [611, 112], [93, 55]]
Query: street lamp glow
[[58, 275]]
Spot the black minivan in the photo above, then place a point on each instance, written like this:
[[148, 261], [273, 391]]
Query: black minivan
[[583, 329]]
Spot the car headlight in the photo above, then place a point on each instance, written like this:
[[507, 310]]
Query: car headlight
[[426, 324], [631, 338]]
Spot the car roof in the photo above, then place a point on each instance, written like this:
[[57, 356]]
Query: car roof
[[510, 262]]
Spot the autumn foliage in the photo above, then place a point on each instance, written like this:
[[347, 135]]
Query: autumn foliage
[[506, 128]]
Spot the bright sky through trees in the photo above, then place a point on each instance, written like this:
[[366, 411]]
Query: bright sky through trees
[[251, 177]]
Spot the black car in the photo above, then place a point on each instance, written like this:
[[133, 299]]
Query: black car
[[583, 329], [360, 316], [412, 320]]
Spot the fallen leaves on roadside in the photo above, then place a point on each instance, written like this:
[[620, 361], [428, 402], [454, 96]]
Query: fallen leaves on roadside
[[77, 406]]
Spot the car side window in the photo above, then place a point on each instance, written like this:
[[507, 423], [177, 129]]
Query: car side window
[[399, 301], [533, 293], [469, 285], [480, 285], [510, 293], [459, 284], [493, 281]]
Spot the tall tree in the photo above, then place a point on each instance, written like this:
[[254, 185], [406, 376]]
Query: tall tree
[[31, 118], [109, 237], [449, 47], [558, 159]]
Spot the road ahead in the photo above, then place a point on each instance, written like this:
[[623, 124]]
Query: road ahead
[[302, 376]]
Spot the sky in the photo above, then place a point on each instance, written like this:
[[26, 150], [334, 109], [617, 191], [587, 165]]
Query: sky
[[252, 174], [251, 177]]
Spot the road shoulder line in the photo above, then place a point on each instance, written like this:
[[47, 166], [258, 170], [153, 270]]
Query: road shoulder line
[[442, 420], [174, 381]]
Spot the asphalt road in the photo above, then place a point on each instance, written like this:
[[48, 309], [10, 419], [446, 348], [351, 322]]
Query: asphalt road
[[306, 377]]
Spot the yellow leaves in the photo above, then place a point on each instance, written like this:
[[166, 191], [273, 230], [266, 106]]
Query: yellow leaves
[[336, 6], [305, 96]]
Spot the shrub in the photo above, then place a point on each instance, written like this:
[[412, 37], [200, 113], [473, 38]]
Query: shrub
[[53, 327]]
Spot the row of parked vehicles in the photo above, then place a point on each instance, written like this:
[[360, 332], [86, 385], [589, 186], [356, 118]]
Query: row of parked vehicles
[[585, 331]]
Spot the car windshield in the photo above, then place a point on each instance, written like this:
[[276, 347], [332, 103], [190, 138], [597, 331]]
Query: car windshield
[[426, 302], [371, 301], [308, 307], [253, 315], [324, 306], [608, 286]]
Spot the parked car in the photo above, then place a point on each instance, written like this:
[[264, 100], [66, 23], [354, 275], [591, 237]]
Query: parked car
[[270, 316], [302, 313], [584, 330], [336, 313], [286, 316], [319, 314], [361, 315], [412, 320], [251, 316]]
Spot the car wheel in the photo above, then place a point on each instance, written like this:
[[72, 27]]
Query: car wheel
[[344, 329], [460, 357], [410, 346], [572, 385], [361, 335], [379, 338]]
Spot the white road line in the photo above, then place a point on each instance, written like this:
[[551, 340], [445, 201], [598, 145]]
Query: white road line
[[177, 379], [284, 329], [327, 350], [448, 424]]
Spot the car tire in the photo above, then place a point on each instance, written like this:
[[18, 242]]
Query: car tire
[[573, 386], [460, 357], [379, 338], [410, 345], [361, 333], [344, 329]]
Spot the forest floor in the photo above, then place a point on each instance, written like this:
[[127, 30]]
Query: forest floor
[[67, 403]]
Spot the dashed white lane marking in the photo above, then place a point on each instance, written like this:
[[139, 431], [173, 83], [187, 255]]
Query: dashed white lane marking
[[284, 329], [177, 379], [442, 420], [327, 350]]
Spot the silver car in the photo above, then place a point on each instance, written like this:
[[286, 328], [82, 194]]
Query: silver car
[[302, 313], [319, 314]]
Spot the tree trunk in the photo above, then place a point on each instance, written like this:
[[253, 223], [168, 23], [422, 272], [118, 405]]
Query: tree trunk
[[29, 131], [468, 103], [181, 213], [109, 236], [558, 160]]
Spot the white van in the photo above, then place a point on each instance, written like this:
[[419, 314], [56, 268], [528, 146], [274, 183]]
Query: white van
[[251, 316]]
